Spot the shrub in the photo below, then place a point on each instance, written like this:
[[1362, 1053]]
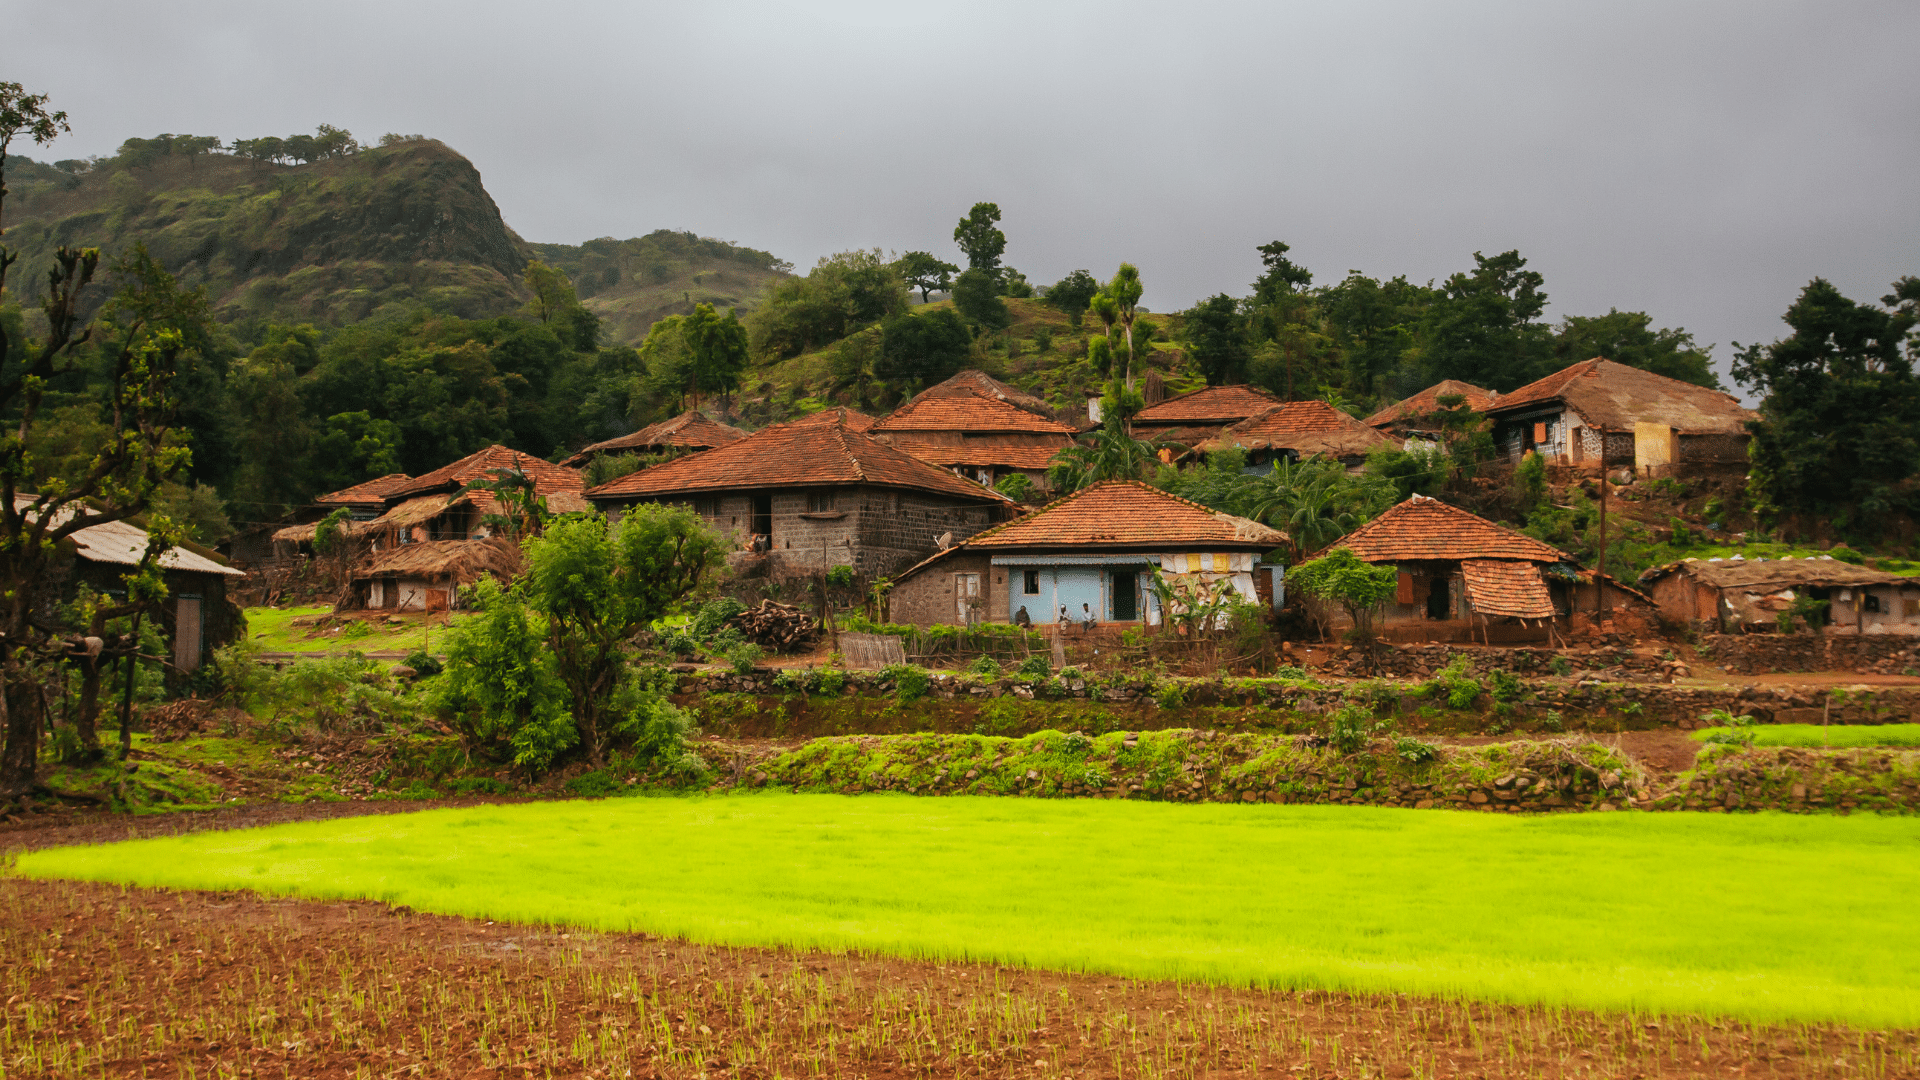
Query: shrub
[[1553, 721], [1504, 685], [1725, 718], [1414, 752], [712, 616], [595, 783], [829, 681], [423, 662], [1169, 695], [910, 681], [1456, 683], [1077, 743], [1291, 671], [1036, 666], [1353, 727], [742, 656], [985, 667], [1560, 665], [1069, 673]]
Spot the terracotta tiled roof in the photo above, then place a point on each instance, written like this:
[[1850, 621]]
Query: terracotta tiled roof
[[1507, 587], [1614, 397], [979, 382], [839, 414], [371, 491], [1423, 528], [1210, 404], [1427, 402], [969, 411], [1305, 427], [982, 453], [1127, 514], [820, 450], [690, 429], [547, 477]]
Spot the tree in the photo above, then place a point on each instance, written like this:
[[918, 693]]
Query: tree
[[923, 348], [1317, 502], [976, 294], [1484, 329], [25, 114], [1125, 290], [1072, 293], [502, 682], [1110, 453], [926, 273], [1839, 425], [1281, 277], [1014, 283], [1340, 577], [552, 293], [1215, 334], [841, 295], [1628, 337], [979, 239], [597, 586], [718, 348]]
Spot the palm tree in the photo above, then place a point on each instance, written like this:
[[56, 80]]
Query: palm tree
[[1110, 454], [1318, 502]]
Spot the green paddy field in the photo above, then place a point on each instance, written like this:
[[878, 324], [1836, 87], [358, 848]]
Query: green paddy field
[[1763, 917]]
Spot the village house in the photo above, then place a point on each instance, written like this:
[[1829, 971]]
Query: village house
[[1732, 595], [690, 432], [433, 538], [1298, 430], [363, 502], [815, 493], [1652, 422], [196, 617], [1087, 560], [1193, 418], [1414, 418], [979, 428], [1462, 577]]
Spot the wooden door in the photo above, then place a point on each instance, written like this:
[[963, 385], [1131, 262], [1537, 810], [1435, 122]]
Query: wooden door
[[186, 633], [966, 599]]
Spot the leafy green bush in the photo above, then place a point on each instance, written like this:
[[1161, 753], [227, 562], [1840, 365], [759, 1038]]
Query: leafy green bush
[[1036, 666], [1413, 751], [1553, 721], [1560, 665], [596, 783], [1291, 671], [1069, 673], [743, 656], [985, 667], [1504, 685], [1353, 726], [909, 681], [424, 663], [1169, 694], [712, 616], [1077, 743], [839, 577], [1725, 718], [1456, 683]]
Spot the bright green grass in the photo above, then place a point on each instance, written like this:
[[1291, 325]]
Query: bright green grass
[[1836, 735], [273, 630], [1761, 916]]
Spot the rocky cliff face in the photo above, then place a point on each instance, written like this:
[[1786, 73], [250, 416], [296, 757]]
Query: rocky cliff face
[[410, 225]]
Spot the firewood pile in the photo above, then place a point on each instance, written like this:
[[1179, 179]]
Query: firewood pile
[[775, 625]]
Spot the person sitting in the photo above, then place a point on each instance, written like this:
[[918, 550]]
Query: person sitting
[[1087, 620], [1021, 618]]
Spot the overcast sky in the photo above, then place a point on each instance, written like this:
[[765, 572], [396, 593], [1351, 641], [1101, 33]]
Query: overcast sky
[[1699, 161]]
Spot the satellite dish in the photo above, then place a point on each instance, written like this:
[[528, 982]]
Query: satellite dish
[[945, 541]]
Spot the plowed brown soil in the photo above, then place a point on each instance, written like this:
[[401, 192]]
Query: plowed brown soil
[[99, 981]]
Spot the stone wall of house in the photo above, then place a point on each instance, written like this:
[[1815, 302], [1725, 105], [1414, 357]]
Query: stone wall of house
[[927, 598], [877, 531], [1705, 449]]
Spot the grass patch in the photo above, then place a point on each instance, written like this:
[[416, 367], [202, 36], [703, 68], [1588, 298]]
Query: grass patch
[[1840, 735], [1763, 917], [273, 630]]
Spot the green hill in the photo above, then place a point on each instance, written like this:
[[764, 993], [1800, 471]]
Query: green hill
[[387, 229], [331, 242], [631, 283]]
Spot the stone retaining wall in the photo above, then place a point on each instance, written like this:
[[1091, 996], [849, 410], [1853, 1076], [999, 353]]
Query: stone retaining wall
[[1759, 654]]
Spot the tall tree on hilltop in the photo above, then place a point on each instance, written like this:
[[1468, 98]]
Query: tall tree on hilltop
[[1072, 294], [979, 239], [926, 273], [1485, 329], [1628, 337], [1215, 334], [1839, 427], [1125, 290]]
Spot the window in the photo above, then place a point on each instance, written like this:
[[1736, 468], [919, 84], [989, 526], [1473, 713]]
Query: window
[[1030, 583], [1869, 602], [1913, 609], [819, 502], [707, 507]]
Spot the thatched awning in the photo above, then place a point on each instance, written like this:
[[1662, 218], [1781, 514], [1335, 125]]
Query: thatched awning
[[303, 534], [457, 562], [413, 512], [1507, 587]]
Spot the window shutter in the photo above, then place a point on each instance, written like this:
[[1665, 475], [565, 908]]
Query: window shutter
[[1540, 432], [1403, 589]]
